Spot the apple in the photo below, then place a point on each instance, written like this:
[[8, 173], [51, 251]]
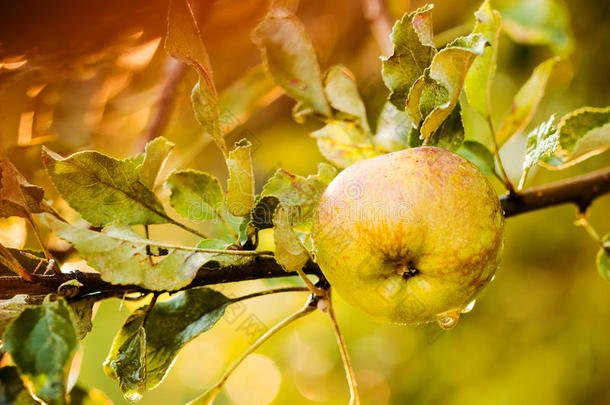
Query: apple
[[411, 236]]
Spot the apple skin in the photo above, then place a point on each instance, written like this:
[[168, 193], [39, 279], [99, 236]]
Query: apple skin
[[411, 236]]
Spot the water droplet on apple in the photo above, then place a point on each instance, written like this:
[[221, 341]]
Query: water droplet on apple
[[448, 320], [469, 307], [133, 396], [492, 278]]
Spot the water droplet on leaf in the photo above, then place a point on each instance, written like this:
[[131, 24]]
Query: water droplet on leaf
[[469, 307], [448, 320]]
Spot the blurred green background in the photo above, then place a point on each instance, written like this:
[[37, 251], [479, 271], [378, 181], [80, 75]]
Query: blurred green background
[[87, 76]]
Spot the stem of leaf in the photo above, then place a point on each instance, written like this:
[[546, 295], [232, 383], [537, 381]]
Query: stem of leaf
[[186, 228], [347, 364], [269, 292], [45, 251], [506, 180], [583, 220], [208, 396], [310, 285]]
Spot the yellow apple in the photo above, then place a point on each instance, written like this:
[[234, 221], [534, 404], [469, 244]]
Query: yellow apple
[[411, 236]]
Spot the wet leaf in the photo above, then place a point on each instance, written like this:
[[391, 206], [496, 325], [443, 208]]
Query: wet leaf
[[12, 390], [539, 22], [435, 94], [450, 134], [478, 154], [582, 133], [412, 54], [297, 194], [342, 94], [142, 353], [17, 196], [289, 251], [183, 42], [526, 102], [155, 155], [483, 69], [290, 58], [42, 341], [240, 185], [344, 143], [196, 195], [103, 189], [541, 144], [120, 255]]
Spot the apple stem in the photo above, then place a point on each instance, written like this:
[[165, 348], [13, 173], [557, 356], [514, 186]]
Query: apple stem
[[347, 364]]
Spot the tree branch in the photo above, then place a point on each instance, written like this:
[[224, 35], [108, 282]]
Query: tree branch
[[581, 190]]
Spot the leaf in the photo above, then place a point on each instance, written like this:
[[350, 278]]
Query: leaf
[[289, 251], [183, 42], [17, 196], [435, 94], [31, 260], [582, 133], [344, 143], [240, 185], [120, 255], [88, 396], [142, 353], [342, 94], [479, 77], [155, 155], [12, 390], [196, 195], [541, 144], [12, 307], [539, 22], [450, 134], [252, 91], [82, 310], [42, 341], [393, 128], [290, 58], [103, 189], [478, 154], [412, 54], [215, 244], [603, 258], [526, 102], [299, 195]]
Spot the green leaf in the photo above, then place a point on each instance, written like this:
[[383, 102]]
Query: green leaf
[[183, 41], [478, 154], [196, 195], [450, 134], [603, 258], [479, 77], [344, 143], [582, 133], [526, 102], [145, 347], [435, 94], [82, 310], [155, 155], [342, 94], [12, 390], [541, 144], [252, 91], [289, 251], [240, 185], [103, 189], [216, 244], [393, 128], [42, 341], [88, 396], [299, 195], [413, 53], [290, 58], [539, 22], [12, 307], [17, 196], [121, 256]]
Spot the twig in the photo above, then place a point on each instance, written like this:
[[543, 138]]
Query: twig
[[347, 364], [209, 395]]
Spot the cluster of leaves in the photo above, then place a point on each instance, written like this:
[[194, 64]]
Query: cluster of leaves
[[431, 91]]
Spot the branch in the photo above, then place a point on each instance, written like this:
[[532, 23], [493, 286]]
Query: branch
[[93, 285], [581, 190]]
